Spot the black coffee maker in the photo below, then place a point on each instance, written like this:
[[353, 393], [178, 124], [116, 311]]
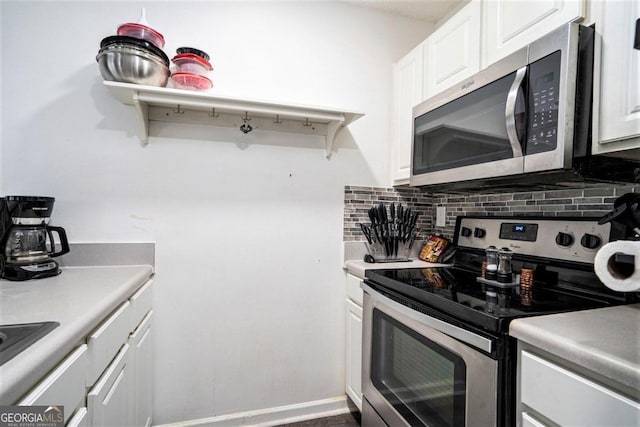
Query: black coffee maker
[[27, 245]]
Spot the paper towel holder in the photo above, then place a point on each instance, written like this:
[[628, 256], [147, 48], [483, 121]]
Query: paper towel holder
[[626, 211]]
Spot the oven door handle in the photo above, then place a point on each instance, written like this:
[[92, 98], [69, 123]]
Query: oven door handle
[[453, 331], [510, 112]]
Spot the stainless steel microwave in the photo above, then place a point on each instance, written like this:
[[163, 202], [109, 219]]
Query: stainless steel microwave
[[523, 121]]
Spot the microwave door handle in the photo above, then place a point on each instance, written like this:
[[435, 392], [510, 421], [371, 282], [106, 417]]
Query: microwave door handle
[[510, 112]]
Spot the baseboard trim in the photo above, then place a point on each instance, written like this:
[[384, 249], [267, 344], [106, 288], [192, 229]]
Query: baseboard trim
[[272, 416]]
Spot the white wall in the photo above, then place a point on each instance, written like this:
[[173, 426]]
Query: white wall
[[250, 290]]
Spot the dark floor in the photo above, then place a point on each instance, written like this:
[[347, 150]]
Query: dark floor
[[345, 420]]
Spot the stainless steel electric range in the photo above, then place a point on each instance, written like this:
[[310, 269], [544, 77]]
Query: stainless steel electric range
[[436, 349]]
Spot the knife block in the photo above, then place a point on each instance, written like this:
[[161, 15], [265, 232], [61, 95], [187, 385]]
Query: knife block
[[378, 252]]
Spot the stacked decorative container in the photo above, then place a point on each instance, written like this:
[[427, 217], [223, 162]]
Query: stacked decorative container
[[191, 69], [134, 55]]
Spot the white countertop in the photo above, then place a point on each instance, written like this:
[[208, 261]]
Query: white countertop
[[604, 340], [79, 299], [358, 268], [353, 255]]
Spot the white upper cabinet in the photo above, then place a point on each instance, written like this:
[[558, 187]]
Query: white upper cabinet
[[452, 52], [485, 31], [407, 92], [509, 25], [449, 55], [617, 82]]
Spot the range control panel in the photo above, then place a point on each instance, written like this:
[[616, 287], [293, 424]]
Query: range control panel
[[519, 231], [573, 239]]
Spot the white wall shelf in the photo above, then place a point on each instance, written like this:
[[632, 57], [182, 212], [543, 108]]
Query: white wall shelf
[[183, 106]]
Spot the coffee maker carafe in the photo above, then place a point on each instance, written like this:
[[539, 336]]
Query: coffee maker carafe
[[27, 242]]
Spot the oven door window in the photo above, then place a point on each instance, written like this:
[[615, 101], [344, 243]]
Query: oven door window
[[423, 381]]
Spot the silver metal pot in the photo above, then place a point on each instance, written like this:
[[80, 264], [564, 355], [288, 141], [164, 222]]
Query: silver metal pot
[[132, 64]]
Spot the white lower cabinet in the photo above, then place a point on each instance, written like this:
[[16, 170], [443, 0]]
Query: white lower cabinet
[[564, 397], [106, 340], [121, 395], [64, 386], [79, 419], [353, 345], [529, 420], [141, 360], [115, 365], [108, 401], [354, 353]]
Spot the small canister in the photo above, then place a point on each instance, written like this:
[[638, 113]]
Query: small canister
[[492, 263], [526, 286], [505, 273]]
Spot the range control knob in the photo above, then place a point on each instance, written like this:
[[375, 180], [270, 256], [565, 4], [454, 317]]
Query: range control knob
[[564, 239], [590, 241], [479, 233], [465, 232]]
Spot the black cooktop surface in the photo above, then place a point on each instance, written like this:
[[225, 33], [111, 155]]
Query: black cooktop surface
[[455, 292]]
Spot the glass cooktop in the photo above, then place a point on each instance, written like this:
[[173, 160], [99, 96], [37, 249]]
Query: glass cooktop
[[457, 293]]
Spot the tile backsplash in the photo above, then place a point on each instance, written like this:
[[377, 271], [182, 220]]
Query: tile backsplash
[[594, 202], [358, 201]]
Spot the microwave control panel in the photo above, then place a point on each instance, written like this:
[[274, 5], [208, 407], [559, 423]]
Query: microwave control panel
[[544, 77]]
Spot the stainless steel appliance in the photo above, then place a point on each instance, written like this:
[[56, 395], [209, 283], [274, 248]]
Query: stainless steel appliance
[[522, 121], [436, 349], [27, 242]]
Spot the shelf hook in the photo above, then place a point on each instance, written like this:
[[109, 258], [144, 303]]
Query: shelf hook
[[277, 120], [245, 127], [214, 114], [179, 110], [307, 122]]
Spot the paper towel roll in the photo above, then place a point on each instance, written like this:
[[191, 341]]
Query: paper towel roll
[[617, 264]]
